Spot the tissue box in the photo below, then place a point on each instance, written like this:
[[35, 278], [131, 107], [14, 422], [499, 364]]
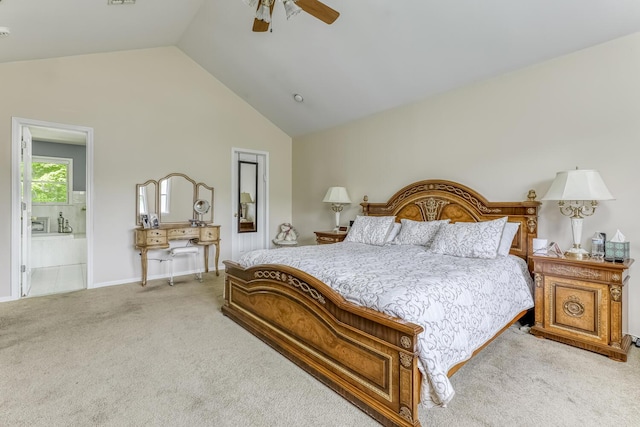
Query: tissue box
[[616, 251]]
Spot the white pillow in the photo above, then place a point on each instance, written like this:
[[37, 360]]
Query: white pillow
[[395, 229], [509, 232], [372, 230], [418, 232], [469, 239]]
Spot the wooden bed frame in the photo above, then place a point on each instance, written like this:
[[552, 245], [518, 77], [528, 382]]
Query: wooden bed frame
[[366, 356]]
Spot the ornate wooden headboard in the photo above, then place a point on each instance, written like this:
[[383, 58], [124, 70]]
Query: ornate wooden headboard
[[438, 199]]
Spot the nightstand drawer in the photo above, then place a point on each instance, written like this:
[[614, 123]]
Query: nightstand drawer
[[328, 237], [578, 307]]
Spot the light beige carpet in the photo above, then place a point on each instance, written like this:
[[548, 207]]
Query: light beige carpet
[[161, 355]]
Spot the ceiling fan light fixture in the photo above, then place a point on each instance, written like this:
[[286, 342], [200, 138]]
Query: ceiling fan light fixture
[[264, 11], [291, 8]]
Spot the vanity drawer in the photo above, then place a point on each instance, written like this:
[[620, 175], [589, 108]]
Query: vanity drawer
[[151, 237], [184, 233], [209, 234]]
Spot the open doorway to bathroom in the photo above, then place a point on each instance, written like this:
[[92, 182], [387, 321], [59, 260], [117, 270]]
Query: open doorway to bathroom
[[52, 194]]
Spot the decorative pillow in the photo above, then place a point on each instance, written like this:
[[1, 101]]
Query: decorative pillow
[[395, 229], [509, 232], [372, 230], [469, 239], [418, 232]]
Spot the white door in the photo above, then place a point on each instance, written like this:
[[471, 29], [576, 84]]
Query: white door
[[25, 253], [243, 241]]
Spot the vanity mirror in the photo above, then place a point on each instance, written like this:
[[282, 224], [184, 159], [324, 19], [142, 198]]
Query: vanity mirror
[[247, 196], [172, 198]]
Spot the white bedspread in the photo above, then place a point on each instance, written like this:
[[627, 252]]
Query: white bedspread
[[460, 302]]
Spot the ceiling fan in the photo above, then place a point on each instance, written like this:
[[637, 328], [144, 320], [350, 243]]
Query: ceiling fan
[[291, 7]]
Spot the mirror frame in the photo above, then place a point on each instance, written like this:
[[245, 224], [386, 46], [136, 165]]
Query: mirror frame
[[201, 186], [196, 194], [155, 202], [255, 198]]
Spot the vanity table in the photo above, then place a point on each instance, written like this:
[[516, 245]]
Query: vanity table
[[185, 212], [158, 238]]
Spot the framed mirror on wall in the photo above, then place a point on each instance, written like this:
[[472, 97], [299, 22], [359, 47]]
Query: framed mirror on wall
[[247, 196]]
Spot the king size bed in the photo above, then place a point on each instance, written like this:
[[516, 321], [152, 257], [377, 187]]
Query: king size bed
[[421, 284]]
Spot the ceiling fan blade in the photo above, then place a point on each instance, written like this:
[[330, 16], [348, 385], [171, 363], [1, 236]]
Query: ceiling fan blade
[[259, 26], [319, 10]]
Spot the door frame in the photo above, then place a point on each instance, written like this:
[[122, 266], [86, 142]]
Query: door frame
[[263, 202], [16, 145]]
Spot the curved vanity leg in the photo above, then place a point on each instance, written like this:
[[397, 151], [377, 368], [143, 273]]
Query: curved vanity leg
[[217, 244], [143, 261], [206, 258]]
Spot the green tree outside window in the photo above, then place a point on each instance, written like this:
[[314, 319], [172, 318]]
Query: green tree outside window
[[50, 180]]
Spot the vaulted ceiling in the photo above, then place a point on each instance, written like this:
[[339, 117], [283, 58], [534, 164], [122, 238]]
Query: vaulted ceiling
[[378, 55]]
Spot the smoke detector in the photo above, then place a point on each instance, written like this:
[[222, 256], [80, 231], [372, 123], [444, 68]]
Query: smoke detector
[[4, 31]]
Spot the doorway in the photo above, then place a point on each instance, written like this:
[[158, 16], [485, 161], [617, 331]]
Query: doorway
[[51, 208], [250, 198]]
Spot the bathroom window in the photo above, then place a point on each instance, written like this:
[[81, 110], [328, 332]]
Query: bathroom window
[[51, 181]]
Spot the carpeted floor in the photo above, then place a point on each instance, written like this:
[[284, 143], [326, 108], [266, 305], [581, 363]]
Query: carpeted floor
[[161, 355]]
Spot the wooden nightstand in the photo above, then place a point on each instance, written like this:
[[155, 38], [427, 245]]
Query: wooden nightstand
[[580, 303], [326, 237]]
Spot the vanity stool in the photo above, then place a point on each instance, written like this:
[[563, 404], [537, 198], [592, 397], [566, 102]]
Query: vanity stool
[[184, 250]]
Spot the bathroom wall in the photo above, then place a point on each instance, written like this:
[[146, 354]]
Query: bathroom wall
[[75, 213]]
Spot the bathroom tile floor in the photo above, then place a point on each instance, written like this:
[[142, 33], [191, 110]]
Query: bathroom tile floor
[[55, 280]]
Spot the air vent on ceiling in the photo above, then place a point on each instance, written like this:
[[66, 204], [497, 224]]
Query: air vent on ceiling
[[119, 1]]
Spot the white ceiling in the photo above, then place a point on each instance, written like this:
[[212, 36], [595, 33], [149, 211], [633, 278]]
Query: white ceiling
[[379, 54]]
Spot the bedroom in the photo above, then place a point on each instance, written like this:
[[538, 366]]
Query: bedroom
[[500, 136]]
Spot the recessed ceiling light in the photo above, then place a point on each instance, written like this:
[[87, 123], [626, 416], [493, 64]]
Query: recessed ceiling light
[[297, 97], [4, 31], [120, 1]]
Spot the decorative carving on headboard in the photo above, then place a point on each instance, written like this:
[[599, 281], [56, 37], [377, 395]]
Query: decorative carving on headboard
[[446, 188], [431, 208]]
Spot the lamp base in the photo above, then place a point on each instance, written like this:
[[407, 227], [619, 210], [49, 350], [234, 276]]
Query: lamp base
[[577, 253]]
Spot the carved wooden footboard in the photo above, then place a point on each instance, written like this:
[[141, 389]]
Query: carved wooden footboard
[[366, 356]]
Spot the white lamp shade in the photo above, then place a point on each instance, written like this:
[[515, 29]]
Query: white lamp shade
[[337, 195], [579, 184], [245, 198]]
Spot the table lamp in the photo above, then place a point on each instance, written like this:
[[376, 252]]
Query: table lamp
[[338, 197], [578, 192]]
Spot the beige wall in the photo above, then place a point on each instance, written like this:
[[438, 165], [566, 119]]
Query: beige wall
[[153, 112], [500, 137]]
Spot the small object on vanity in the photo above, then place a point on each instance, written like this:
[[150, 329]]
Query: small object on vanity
[[597, 246], [144, 220], [60, 223], [201, 207], [153, 220], [328, 237], [617, 249], [578, 192], [67, 228], [39, 225]]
